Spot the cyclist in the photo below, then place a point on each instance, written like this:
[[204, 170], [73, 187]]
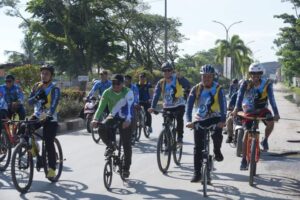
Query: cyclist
[[144, 98], [14, 97], [135, 90], [253, 96], [210, 103], [119, 100], [233, 88], [100, 85], [171, 87], [45, 97]]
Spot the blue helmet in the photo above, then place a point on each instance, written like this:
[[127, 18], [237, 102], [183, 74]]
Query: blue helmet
[[207, 69]]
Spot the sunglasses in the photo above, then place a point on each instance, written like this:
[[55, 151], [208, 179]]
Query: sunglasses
[[167, 70], [255, 73], [116, 83], [8, 81]]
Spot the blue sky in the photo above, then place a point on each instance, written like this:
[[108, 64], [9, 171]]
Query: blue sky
[[196, 17]]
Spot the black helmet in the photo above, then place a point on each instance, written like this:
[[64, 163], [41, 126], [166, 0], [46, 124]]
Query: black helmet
[[9, 77], [235, 81], [117, 77], [207, 69], [48, 67], [166, 65]]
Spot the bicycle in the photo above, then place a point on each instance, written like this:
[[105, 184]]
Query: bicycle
[[114, 161], [207, 157], [252, 144], [143, 119], [167, 143], [22, 159], [8, 140]]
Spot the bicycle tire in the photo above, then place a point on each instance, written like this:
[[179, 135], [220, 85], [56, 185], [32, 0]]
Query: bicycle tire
[[163, 150], [252, 162], [59, 160], [108, 174], [95, 135], [88, 123], [121, 165], [5, 151], [22, 155], [177, 151], [139, 128], [204, 179], [239, 144]]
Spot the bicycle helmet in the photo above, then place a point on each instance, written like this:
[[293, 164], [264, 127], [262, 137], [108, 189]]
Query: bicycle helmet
[[48, 67], [166, 65], [9, 77], [256, 68], [207, 69]]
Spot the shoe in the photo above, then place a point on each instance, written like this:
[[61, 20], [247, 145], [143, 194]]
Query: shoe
[[218, 155], [179, 141], [51, 173], [229, 139], [108, 151], [264, 144], [244, 164], [125, 173], [196, 178], [149, 129]]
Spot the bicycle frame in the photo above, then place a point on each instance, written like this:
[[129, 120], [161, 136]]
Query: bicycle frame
[[252, 135]]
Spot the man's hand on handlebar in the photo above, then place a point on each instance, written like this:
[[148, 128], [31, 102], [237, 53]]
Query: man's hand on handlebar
[[150, 110], [190, 125]]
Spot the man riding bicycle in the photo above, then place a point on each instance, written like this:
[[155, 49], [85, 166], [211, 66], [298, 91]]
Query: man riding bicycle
[[44, 97], [253, 97], [171, 88], [14, 97], [119, 100], [210, 104], [100, 85], [145, 98]]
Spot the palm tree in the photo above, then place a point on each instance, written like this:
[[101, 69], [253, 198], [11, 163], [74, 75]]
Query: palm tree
[[239, 53]]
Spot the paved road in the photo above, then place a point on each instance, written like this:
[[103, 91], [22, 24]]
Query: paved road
[[278, 176]]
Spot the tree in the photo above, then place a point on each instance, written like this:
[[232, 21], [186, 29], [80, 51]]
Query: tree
[[239, 53]]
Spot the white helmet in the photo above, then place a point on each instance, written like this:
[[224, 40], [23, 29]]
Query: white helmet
[[256, 67]]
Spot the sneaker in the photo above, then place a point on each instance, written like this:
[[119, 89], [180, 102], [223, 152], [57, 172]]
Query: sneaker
[[196, 178], [218, 155], [264, 144], [125, 173], [179, 141], [149, 129], [229, 139], [108, 151], [244, 164], [51, 173]]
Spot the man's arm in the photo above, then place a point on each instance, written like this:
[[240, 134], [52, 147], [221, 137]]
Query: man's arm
[[102, 105], [55, 95], [94, 88], [156, 95], [223, 105], [272, 99], [190, 104]]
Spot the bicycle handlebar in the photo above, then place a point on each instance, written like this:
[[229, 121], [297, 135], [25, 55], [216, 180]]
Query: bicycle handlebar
[[243, 115]]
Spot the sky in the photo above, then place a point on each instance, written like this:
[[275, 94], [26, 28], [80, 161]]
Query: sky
[[258, 28]]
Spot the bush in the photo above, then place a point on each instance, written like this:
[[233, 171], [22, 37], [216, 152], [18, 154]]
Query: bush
[[69, 108]]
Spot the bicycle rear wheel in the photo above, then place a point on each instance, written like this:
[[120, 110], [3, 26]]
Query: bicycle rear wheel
[[22, 168], [177, 152], [139, 127], [163, 151], [59, 160], [5, 151], [252, 162], [107, 174], [239, 144]]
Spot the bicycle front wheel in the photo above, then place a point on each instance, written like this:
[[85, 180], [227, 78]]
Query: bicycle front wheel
[[58, 159], [107, 174], [95, 135], [239, 144], [163, 151], [204, 179], [5, 151], [177, 152], [252, 162], [22, 168]]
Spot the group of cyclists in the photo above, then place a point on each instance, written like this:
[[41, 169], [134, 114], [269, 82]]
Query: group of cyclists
[[120, 98], [44, 97], [207, 100]]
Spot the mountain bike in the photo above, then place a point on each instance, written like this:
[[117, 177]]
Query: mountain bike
[[22, 159], [167, 143], [252, 144], [114, 161]]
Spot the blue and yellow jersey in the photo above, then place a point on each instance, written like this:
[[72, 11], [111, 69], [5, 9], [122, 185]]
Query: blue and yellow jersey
[[3, 103], [208, 102], [13, 94], [45, 107]]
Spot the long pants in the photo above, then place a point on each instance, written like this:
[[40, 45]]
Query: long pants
[[105, 132], [20, 111], [49, 133], [179, 118]]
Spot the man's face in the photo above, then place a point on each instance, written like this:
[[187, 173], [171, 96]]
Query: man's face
[[167, 73], [9, 83], [127, 82], [142, 79], [117, 86], [103, 76], [207, 80], [255, 77], [45, 76]]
